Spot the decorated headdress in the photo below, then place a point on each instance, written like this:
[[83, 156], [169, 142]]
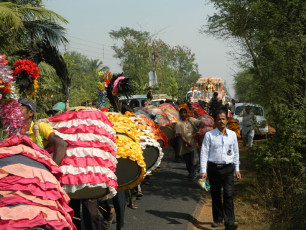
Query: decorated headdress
[[26, 73], [119, 85]]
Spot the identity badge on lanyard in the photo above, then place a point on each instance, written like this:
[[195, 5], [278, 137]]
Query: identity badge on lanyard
[[230, 152]]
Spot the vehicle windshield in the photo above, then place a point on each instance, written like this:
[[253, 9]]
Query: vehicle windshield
[[157, 102], [258, 111]]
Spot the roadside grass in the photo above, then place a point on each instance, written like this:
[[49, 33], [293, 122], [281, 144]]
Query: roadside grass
[[249, 206]]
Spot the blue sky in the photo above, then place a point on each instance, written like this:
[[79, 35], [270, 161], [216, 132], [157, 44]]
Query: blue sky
[[176, 22]]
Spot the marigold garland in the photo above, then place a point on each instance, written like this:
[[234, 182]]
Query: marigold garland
[[35, 89], [128, 144]]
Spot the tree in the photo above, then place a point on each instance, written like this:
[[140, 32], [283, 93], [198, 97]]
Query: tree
[[246, 86], [24, 22], [84, 77], [134, 55], [175, 67], [272, 36], [50, 89]]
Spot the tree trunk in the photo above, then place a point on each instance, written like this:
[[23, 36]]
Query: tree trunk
[[256, 63]]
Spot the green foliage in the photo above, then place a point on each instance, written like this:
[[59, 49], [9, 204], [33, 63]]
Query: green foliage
[[272, 37], [84, 74], [281, 169], [83, 86], [24, 22], [49, 91], [175, 67], [246, 86]]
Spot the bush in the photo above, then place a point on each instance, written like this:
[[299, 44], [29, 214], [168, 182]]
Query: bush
[[280, 165]]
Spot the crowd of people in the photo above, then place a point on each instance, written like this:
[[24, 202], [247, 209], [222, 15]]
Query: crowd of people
[[218, 159]]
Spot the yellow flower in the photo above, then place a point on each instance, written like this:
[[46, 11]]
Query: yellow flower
[[35, 85]]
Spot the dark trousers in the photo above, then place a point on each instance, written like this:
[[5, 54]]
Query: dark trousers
[[119, 205], [222, 178], [90, 213], [175, 144], [192, 160], [118, 202]]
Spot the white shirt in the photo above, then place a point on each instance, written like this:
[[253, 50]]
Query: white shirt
[[219, 149], [248, 119]]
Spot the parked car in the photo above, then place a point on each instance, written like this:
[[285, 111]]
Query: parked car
[[156, 101], [159, 99], [261, 127], [140, 98]]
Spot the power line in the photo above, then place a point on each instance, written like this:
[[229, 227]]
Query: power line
[[88, 40], [100, 58], [93, 47], [80, 48]]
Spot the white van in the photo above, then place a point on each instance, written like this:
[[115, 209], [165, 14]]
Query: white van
[[140, 98], [156, 101], [262, 124]]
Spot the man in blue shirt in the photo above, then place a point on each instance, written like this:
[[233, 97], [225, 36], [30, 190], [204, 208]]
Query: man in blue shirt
[[220, 161]]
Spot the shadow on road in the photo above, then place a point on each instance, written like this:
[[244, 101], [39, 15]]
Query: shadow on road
[[173, 185], [173, 216]]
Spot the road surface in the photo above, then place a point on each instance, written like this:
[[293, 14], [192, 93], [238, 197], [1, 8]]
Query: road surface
[[169, 201]]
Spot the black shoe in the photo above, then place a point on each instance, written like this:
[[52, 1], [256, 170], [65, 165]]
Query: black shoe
[[215, 224], [139, 194], [233, 226]]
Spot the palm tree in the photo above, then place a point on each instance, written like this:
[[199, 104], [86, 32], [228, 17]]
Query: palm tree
[[22, 24], [95, 65]]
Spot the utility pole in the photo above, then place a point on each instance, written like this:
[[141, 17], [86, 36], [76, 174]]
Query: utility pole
[[154, 62], [152, 73], [154, 70]]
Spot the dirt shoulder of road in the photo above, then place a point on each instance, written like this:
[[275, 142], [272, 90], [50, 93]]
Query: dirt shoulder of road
[[248, 212]]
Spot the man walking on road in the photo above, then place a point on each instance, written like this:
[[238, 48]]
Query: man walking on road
[[220, 161], [186, 127], [248, 123]]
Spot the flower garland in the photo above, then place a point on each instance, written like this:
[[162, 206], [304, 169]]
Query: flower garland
[[5, 78], [11, 117], [5, 88], [105, 80], [107, 77], [30, 67]]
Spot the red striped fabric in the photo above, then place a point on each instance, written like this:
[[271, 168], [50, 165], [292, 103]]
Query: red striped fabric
[[93, 143], [31, 195]]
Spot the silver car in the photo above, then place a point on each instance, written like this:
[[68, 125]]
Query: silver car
[[261, 127]]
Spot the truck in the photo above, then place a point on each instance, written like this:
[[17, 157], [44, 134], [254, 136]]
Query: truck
[[204, 88]]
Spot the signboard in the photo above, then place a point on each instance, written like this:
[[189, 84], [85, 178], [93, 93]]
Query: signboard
[[152, 78]]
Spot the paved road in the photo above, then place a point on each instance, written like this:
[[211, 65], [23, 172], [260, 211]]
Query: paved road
[[169, 201]]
